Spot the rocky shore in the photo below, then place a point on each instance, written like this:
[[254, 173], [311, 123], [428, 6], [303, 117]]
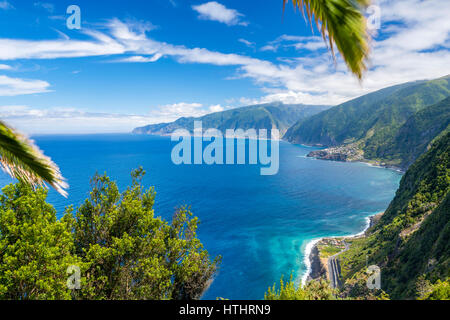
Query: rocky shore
[[319, 269]]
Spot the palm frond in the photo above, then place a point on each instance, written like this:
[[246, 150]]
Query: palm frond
[[341, 23], [21, 159]]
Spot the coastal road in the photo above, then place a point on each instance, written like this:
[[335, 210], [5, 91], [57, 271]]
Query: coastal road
[[334, 268]]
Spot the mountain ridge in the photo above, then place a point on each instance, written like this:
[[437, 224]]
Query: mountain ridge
[[262, 116], [365, 128]]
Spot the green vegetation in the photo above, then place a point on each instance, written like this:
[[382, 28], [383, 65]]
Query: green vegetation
[[415, 135], [123, 250], [411, 242], [379, 123], [314, 290], [35, 248], [264, 116], [439, 291], [320, 290], [330, 247], [328, 251]]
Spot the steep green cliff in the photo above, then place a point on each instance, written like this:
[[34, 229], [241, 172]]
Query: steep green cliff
[[393, 125], [411, 242]]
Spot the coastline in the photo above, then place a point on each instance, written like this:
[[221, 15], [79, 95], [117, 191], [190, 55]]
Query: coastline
[[390, 167], [369, 163], [338, 158], [312, 258]]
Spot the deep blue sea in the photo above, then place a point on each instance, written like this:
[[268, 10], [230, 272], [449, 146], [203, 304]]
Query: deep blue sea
[[259, 224]]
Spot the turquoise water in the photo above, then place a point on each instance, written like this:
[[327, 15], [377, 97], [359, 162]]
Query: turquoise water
[[259, 224]]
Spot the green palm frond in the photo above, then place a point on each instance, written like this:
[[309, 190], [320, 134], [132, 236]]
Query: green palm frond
[[21, 159], [341, 23]]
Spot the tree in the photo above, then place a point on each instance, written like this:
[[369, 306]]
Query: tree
[[342, 23], [313, 290], [131, 254], [121, 249], [439, 291], [21, 159], [35, 248]]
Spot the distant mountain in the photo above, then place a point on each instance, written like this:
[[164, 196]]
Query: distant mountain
[[263, 116], [411, 241], [375, 126]]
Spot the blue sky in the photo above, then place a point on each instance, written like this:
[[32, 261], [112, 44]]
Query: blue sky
[[139, 62]]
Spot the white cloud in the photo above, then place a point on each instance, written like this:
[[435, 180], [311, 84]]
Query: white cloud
[[216, 108], [51, 49], [130, 29], [270, 47], [16, 86], [5, 67], [69, 120], [172, 112], [291, 97], [57, 17], [141, 59], [414, 45], [61, 34], [218, 12], [50, 7], [417, 48], [5, 5], [247, 43], [11, 111], [311, 43]]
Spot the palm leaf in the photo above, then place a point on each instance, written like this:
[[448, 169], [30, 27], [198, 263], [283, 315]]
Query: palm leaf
[[341, 23], [21, 159]]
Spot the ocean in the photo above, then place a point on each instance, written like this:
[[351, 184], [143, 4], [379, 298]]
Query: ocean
[[260, 225]]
